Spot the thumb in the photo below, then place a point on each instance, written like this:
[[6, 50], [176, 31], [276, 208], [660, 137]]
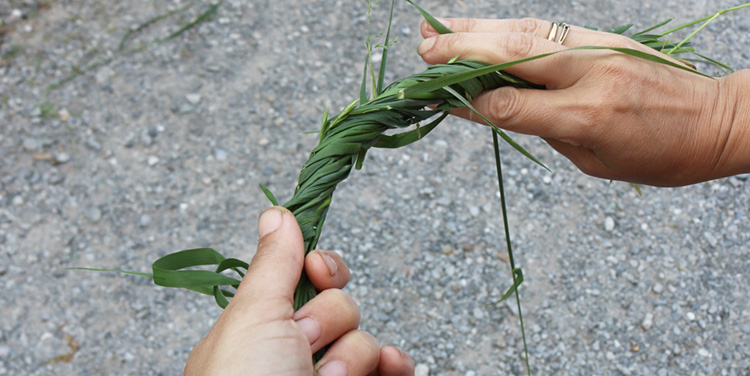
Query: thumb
[[276, 267]]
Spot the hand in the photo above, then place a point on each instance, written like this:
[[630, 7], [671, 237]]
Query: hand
[[260, 334], [614, 116]]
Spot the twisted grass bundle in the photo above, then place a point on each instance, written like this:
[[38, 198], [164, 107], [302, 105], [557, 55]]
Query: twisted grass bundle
[[346, 137]]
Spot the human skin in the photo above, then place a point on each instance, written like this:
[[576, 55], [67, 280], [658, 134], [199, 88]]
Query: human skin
[[259, 333], [614, 116]]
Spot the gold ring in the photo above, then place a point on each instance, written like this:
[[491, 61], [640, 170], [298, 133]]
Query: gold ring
[[558, 32]]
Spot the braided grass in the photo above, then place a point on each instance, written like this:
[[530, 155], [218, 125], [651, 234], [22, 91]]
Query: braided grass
[[346, 137]]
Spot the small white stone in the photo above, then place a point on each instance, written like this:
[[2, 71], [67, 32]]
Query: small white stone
[[703, 352], [422, 370], [263, 141], [193, 98], [153, 160], [690, 316], [648, 321], [609, 224], [64, 115], [18, 201], [547, 180]]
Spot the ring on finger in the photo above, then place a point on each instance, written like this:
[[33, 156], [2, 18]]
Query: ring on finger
[[558, 32]]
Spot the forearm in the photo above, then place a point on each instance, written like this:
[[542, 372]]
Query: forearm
[[736, 154]]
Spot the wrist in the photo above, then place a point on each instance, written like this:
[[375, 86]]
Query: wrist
[[735, 157]]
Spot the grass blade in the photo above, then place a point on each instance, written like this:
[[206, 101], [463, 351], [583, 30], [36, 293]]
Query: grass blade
[[517, 274], [384, 59], [437, 25]]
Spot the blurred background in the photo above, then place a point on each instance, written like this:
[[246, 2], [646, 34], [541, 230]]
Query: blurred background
[[132, 129]]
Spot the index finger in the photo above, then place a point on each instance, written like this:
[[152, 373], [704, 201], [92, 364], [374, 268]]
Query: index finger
[[502, 47], [577, 37]]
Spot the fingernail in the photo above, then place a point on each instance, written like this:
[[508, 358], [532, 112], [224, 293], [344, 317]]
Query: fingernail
[[269, 221], [332, 267], [425, 46], [310, 327], [333, 368]]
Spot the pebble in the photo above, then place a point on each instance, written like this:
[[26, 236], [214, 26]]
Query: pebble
[[658, 288], [144, 220], [648, 321], [16, 14], [4, 351], [220, 154], [61, 157], [94, 214], [193, 98], [422, 370], [93, 144], [64, 115], [152, 160], [263, 142], [30, 144], [146, 138], [609, 224], [18, 200], [478, 314], [55, 176], [711, 239]]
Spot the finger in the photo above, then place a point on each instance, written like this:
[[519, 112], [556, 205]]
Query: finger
[[326, 270], [355, 354], [277, 265], [531, 111], [495, 48], [327, 317], [394, 362], [585, 159], [578, 36]]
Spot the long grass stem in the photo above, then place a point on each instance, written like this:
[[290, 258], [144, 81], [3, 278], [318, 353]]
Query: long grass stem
[[501, 188]]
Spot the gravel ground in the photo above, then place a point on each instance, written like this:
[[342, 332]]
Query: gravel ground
[[162, 149]]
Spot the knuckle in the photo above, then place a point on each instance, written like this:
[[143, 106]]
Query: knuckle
[[468, 24], [529, 25], [504, 104], [517, 46]]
